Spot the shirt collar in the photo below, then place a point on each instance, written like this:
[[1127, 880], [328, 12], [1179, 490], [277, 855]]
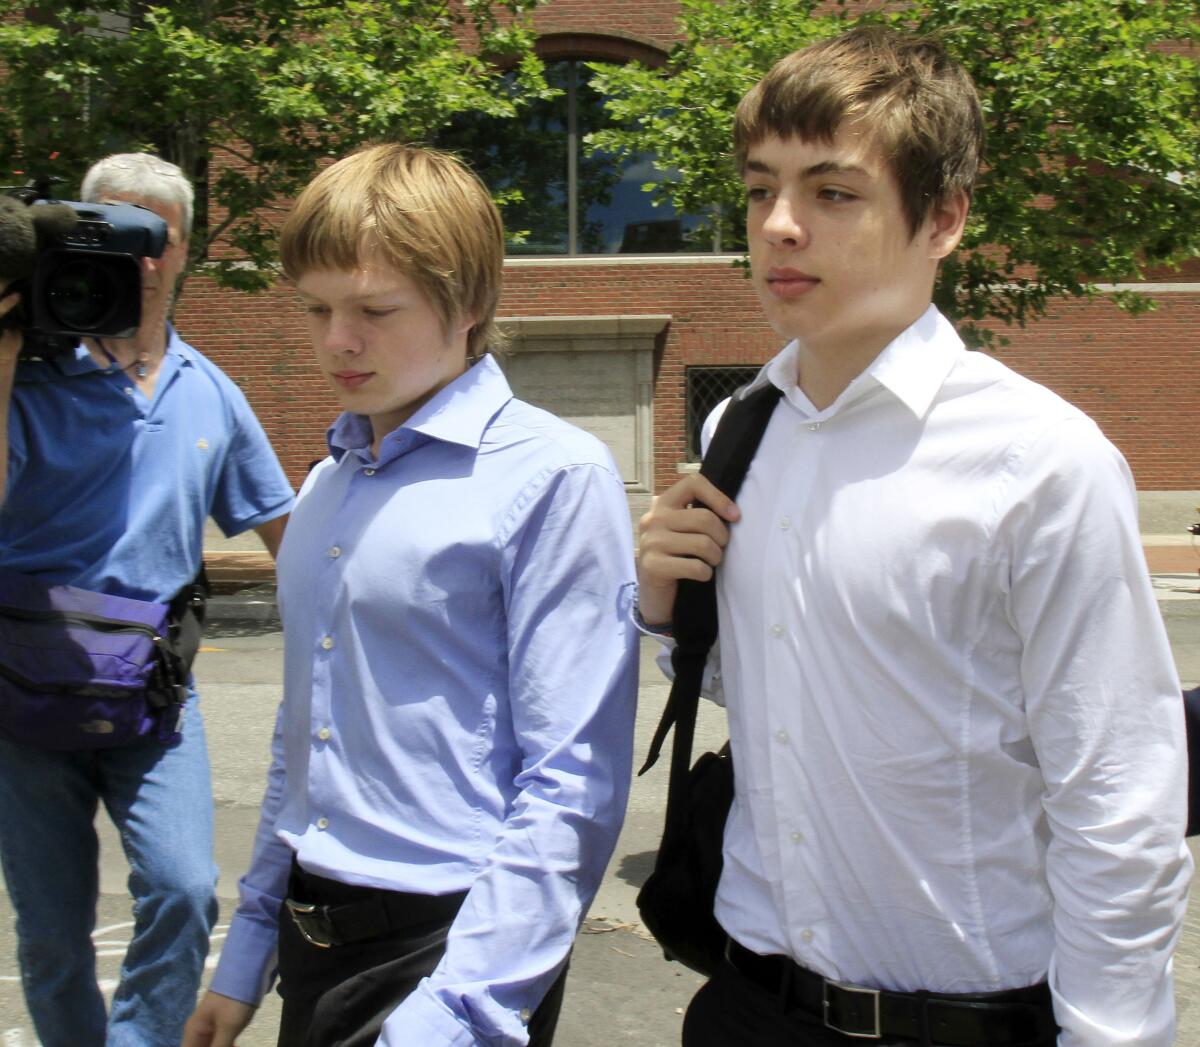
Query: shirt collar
[[79, 360], [915, 364], [912, 367], [176, 346], [458, 413]]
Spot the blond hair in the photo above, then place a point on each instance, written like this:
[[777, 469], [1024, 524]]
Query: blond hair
[[420, 211], [918, 103]]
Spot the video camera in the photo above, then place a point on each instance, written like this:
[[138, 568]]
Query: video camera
[[76, 265]]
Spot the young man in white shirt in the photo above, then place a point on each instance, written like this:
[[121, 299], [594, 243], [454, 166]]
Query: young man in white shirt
[[956, 727]]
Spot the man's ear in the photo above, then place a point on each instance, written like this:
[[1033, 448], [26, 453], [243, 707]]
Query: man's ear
[[463, 324], [945, 224]]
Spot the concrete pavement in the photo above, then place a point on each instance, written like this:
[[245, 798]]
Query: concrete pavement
[[620, 990]]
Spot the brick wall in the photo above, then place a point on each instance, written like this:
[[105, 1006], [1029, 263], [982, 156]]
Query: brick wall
[[650, 21], [260, 341], [1137, 377]]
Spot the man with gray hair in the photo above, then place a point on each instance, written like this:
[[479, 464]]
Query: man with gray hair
[[112, 456], [130, 178]]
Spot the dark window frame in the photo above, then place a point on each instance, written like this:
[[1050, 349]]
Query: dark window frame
[[585, 227], [706, 385]]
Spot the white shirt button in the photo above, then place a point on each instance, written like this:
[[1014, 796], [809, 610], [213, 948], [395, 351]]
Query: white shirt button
[[525, 1015], [324, 734], [776, 629], [785, 523], [369, 472], [327, 642], [814, 427], [335, 552], [781, 736], [797, 837], [806, 935], [322, 823], [129, 390], [717, 674]]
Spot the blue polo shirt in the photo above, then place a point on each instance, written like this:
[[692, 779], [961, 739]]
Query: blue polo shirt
[[110, 491]]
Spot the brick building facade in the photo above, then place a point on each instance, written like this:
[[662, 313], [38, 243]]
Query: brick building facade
[[1136, 376]]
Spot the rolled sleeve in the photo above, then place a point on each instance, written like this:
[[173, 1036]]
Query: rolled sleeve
[[424, 1019]]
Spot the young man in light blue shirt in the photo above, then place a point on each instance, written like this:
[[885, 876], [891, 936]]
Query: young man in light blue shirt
[[453, 751]]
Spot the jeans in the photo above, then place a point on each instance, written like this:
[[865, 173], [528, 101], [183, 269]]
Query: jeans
[[160, 800]]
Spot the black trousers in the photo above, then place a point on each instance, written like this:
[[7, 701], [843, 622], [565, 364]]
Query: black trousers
[[340, 996], [732, 1011]]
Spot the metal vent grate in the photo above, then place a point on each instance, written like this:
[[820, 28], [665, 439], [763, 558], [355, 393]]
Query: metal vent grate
[[707, 387]]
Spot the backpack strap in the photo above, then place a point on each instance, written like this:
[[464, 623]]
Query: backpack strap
[[694, 615]]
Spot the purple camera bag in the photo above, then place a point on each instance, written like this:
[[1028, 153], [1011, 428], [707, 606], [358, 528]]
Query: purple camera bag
[[82, 670]]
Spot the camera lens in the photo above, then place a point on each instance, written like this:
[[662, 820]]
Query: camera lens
[[80, 296], [79, 291]]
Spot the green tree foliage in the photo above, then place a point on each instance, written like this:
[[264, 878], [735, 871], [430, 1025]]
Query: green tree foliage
[[1092, 172], [248, 97]]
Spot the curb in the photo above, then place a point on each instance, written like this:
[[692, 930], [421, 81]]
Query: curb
[[1175, 586], [250, 605]]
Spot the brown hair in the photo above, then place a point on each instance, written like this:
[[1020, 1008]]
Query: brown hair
[[918, 103], [420, 211]]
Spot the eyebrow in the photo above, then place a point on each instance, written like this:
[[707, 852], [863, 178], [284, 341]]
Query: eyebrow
[[826, 167], [350, 298]]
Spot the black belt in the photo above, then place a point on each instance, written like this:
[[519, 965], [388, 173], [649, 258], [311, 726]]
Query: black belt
[[342, 913], [1001, 1019]]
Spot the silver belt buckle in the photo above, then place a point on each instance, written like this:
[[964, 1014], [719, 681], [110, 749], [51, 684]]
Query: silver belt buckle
[[859, 990], [305, 917]]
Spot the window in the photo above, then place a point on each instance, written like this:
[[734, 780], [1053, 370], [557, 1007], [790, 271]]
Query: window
[[571, 201], [707, 387]]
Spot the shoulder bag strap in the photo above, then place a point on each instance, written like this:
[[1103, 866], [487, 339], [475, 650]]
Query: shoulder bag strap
[[694, 617], [187, 622]]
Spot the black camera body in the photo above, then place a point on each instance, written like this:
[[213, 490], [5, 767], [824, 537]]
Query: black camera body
[[89, 281], [83, 277]]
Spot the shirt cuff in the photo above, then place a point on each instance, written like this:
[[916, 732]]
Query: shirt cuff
[[421, 1018], [659, 632], [247, 966]]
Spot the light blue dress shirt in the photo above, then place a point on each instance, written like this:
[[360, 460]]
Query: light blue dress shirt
[[460, 682]]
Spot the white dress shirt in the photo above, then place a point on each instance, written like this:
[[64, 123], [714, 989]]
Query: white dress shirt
[[956, 723]]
